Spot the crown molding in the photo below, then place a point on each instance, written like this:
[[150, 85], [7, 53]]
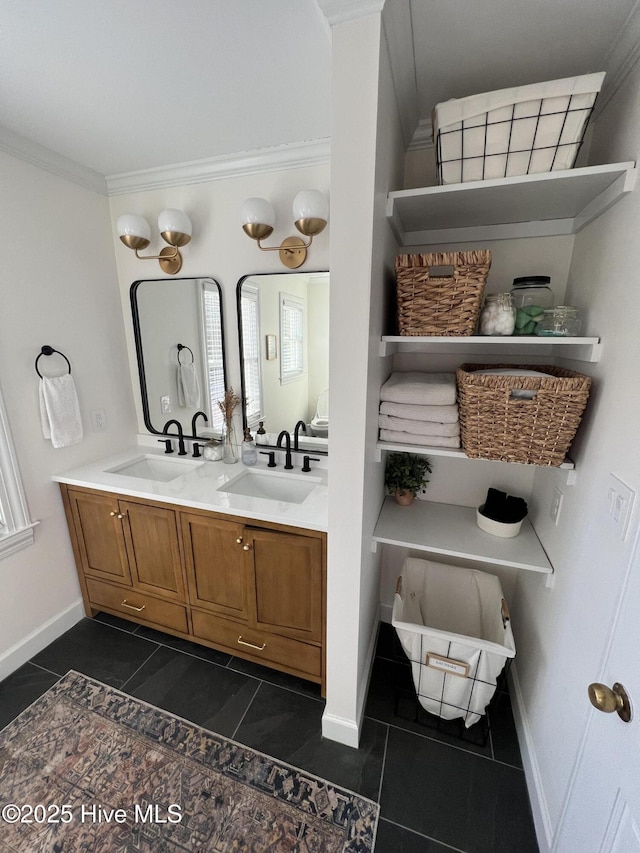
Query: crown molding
[[423, 135], [339, 11], [296, 155], [25, 149], [621, 58]]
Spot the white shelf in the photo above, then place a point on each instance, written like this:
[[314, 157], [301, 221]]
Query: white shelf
[[448, 530], [581, 349], [547, 204], [456, 453]]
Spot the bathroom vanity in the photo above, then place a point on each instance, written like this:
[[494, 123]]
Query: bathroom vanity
[[241, 573]]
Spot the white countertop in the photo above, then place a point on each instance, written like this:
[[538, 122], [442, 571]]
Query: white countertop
[[200, 487]]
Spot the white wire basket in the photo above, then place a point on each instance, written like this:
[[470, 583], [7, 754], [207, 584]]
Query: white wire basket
[[518, 131], [454, 626]]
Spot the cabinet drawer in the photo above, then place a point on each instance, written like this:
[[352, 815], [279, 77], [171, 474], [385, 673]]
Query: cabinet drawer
[[140, 605], [291, 655]]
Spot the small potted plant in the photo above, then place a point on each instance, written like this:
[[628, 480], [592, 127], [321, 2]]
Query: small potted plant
[[405, 474]]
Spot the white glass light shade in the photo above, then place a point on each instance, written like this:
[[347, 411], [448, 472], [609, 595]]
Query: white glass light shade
[[175, 221], [310, 204], [132, 225], [258, 211]]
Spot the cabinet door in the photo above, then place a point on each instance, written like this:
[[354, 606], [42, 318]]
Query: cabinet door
[[98, 532], [216, 569], [151, 536], [287, 583]]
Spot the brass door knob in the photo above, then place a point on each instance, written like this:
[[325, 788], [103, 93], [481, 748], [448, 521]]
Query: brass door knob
[[610, 699], [246, 547], [239, 540]]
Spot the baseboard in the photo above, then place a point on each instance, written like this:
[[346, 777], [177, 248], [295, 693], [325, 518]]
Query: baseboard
[[385, 612], [35, 642], [345, 730], [539, 808], [341, 730]]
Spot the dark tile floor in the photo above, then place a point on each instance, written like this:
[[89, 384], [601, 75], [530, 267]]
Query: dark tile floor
[[437, 793]]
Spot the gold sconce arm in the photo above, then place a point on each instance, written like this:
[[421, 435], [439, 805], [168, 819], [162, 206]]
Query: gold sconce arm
[[310, 218], [175, 229]]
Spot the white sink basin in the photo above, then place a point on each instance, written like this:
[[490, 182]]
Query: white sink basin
[[151, 467], [273, 487]]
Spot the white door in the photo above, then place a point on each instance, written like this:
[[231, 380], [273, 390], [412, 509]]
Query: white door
[[603, 813]]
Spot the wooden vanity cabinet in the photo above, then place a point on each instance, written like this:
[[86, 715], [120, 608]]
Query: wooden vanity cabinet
[[128, 557], [254, 590], [257, 592]]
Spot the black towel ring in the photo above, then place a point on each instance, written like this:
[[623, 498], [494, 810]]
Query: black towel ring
[[47, 350], [181, 347]]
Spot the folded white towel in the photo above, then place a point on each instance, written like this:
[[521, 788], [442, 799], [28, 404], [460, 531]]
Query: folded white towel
[[413, 438], [438, 414], [426, 428], [59, 410], [188, 386], [424, 389]]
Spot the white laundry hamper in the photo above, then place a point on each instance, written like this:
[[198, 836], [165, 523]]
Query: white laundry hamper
[[519, 131], [454, 626]]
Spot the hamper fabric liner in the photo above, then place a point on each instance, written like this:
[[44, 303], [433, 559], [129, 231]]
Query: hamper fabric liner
[[518, 131], [494, 424], [451, 620], [440, 293]]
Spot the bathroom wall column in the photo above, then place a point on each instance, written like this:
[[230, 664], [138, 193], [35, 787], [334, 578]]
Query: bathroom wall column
[[358, 238]]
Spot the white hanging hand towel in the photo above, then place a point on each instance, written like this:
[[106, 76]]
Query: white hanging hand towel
[[59, 410], [188, 386]]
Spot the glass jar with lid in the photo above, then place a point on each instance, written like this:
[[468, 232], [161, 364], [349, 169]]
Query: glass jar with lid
[[562, 321], [531, 296], [498, 316]]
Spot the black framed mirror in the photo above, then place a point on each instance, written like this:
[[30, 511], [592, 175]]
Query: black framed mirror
[[283, 330], [179, 334]]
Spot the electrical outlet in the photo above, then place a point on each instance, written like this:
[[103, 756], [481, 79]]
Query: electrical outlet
[[165, 404], [99, 420], [556, 505]]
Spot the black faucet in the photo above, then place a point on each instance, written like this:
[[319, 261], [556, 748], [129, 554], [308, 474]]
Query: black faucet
[[181, 450], [287, 460], [193, 422], [296, 433]]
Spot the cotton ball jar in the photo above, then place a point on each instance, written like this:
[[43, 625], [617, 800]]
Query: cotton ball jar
[[498, 315]]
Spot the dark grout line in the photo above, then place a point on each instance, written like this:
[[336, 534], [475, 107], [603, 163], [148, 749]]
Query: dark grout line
[[384, 762], [426, 736], [45, 669], [421, 835], [144, 663], [246, 711]]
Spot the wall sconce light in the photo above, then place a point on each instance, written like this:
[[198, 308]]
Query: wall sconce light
[[310, 215], [175, 228]]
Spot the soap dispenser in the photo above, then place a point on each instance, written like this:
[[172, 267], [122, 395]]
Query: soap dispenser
[[249, 453], [261, 435]]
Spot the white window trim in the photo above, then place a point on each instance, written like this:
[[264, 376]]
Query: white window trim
[[250, 292], [287, 299], [16, 530]]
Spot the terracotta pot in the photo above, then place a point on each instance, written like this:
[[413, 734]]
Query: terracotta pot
[[404, 498]]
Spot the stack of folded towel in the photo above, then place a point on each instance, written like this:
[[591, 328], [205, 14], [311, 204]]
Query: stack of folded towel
[[420, 408]]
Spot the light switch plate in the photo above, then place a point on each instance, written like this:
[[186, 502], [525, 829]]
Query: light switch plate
[[620, 499]]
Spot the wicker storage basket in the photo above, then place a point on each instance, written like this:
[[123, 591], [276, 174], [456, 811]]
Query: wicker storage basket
[[539, 430], [441, 293]]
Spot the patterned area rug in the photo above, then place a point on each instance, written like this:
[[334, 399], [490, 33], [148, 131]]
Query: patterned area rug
[[88, 769]]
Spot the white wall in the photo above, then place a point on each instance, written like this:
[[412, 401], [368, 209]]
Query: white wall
[[563, 631], [219, 247], [58, 288]]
